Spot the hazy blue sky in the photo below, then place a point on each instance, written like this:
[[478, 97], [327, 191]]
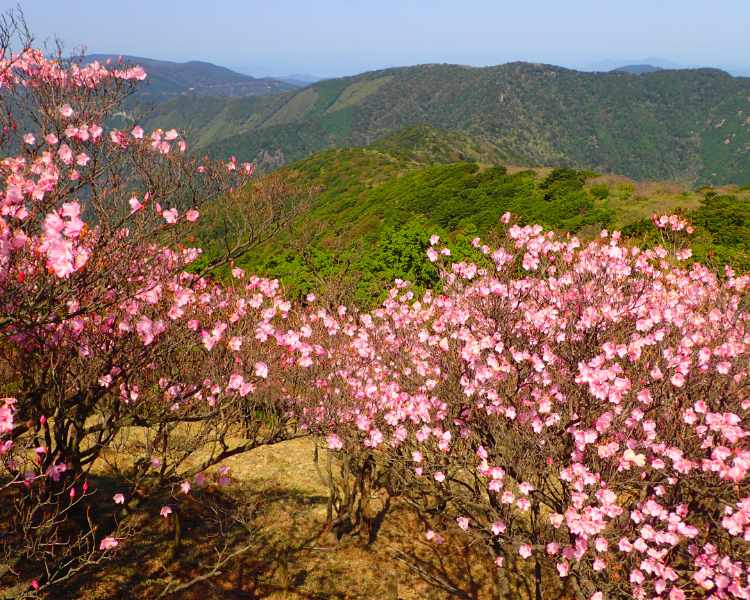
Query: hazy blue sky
[[336, 37]]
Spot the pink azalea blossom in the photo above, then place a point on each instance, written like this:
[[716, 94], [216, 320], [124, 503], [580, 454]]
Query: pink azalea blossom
[[333, 442], [170, 216], [108, 543]]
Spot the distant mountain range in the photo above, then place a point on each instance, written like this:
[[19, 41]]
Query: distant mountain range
[[737, 70], [637, 69], [300, 79], [686, 125], [168, 79], [612, 64]]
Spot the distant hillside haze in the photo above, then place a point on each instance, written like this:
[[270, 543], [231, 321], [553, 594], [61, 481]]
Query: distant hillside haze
[[167, 79], [637, 69], [613, 64], [686, 125]]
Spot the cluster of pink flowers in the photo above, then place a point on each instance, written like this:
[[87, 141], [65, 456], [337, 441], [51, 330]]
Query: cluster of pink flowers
[[95, 297], [672, 223], [33, 68], [6, 420], [61, 241], [598, 385]]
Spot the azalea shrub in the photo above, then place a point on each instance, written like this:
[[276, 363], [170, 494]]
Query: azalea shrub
[[110, 345], [575, 410]]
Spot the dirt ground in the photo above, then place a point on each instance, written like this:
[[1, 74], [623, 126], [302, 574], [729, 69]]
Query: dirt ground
[[283, 549]]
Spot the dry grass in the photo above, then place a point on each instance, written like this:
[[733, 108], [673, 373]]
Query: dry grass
[[541, 172], [633, 201]]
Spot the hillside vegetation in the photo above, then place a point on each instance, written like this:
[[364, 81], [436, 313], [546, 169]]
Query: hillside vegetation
[[375, 208], [686, 125]]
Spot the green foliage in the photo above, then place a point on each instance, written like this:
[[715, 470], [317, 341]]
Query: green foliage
[[562, 181], [400, 254], [600, 191], [722, 231], [422, 143], [375, 211]]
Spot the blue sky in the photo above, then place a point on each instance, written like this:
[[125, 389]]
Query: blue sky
[[338, 37]]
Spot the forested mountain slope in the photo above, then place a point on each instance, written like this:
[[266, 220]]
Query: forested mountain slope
[[686, 125]]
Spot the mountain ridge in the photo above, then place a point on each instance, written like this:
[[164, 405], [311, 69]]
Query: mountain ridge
[[168, 78], [690, 125]]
